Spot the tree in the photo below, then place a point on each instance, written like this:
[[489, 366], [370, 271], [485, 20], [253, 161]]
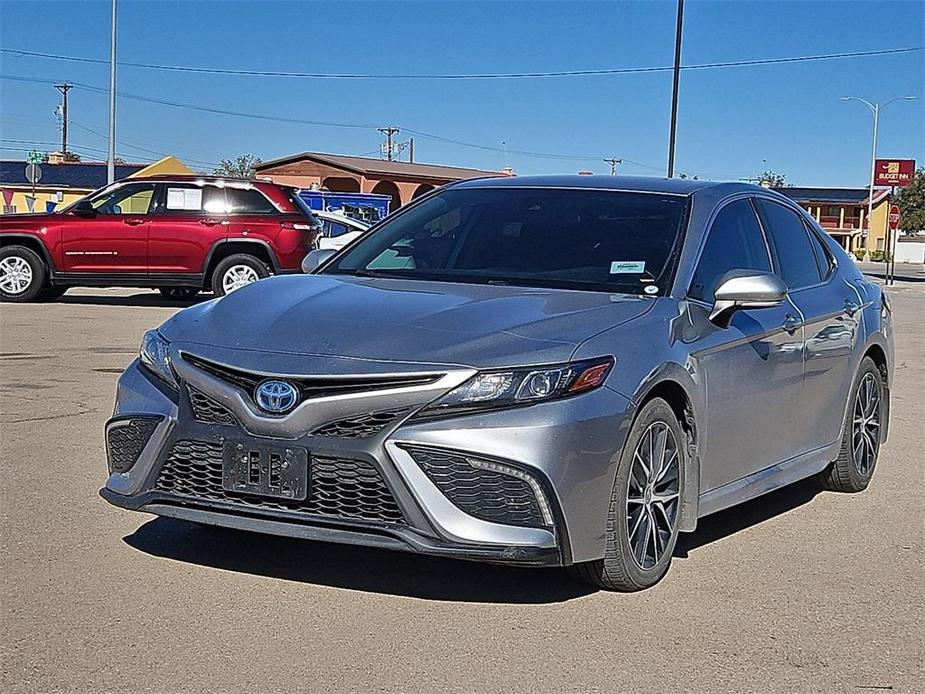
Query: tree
[[241, 167], [911, 201], [772, 179]]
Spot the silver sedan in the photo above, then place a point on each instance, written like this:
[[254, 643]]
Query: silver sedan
[[561, 371]]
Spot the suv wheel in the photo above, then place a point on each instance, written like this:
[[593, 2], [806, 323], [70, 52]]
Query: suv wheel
[[237, 271], [860, 444], [178, 292], [642, 523], [22, 274]]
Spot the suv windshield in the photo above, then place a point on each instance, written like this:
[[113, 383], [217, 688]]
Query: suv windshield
[[559, 238]]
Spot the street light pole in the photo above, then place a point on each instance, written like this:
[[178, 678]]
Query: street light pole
[[674, 88], [875, 109], [111, 160]]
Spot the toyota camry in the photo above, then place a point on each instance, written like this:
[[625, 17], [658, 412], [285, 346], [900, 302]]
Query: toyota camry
[[539, 371]]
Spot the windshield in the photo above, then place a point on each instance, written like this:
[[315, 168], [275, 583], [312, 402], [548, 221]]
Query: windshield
[[558, 238]]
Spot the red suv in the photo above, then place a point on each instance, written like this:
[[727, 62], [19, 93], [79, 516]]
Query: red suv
[[179, 234]]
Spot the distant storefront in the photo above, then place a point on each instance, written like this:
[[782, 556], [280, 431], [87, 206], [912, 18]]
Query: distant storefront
[[401, 180], [63, 183]]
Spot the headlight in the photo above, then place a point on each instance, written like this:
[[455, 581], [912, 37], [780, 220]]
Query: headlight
[[155, 355], [494, 389]]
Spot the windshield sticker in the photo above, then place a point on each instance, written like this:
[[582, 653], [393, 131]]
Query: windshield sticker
[[627, 267], [650, 289]]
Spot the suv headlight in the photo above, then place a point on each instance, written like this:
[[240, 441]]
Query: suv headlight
[[496, 389], [155, 356]]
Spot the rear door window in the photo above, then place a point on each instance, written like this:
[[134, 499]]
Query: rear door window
[[790, 239], [193, 200], [248, 201], [735, 242]]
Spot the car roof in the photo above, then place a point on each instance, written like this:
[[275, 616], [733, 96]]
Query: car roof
[[200, 178], [644, 184]]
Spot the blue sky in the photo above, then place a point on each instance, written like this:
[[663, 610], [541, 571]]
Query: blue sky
[[734, 122]]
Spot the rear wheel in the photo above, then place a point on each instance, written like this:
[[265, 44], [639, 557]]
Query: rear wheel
[[860, 444], [22, 274], [178, 292], [642, 522], [237, 271]]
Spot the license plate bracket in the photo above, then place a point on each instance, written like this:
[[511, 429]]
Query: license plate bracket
[[280, 472]]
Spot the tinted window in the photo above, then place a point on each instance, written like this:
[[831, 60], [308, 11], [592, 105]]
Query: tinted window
[[735, 242], [791, 243], [576, 239], [335, 229], [189, 199], [130, 199], [824, 260], [248, 201]]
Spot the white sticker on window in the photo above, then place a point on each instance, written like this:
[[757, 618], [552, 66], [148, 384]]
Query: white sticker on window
[[627, 267], [184, 199]]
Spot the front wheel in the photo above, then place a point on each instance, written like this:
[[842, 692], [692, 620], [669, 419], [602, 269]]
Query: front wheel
[[237, 271], [860, 442], [642, 522], [22, 274]]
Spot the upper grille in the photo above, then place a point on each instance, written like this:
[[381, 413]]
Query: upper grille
[[485, 494], [312, 386], [360, 426], [207, 410], [337, 488], [126, 439]]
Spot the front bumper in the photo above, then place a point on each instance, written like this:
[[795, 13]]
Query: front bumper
[[569, 447]]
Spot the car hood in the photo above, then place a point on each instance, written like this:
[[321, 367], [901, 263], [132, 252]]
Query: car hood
[[391, 320], [31, 220]]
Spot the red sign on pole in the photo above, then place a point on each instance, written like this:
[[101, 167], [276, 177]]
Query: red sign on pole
[[894, 217], [893, 172]]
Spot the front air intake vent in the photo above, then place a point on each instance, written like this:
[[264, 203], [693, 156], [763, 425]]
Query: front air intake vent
[[360, 426], [209, 411], [126, 439]]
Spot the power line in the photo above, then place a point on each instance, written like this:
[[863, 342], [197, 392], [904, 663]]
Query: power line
[[472, 76]]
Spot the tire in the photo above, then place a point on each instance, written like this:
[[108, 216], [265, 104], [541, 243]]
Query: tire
[[860, 443], [624, 567], [52, 293], [178, 293], [241, 264], [22, 274]]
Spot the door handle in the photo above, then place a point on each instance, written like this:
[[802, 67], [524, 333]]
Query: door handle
[[792, 324], [133, 221], [212, 222], [851, 307]]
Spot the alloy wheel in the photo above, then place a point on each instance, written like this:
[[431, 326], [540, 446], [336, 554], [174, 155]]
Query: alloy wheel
[[238, 276], [653, 494], [865, 431], [15, 274]]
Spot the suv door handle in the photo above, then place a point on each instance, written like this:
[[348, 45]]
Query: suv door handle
[[851, 307], [212, 222], [792, 324], [133, 221]]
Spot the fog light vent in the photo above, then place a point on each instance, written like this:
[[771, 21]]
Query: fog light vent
[[125, 439], [486, 489]]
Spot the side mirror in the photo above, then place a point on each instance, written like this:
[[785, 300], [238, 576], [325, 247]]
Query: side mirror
[[84, 208], [316, 259], [743, 289]]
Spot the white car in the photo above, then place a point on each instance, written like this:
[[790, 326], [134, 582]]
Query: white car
[[338, 230]]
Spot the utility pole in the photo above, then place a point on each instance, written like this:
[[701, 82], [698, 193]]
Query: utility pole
[[389, 132], [64, 89], [674, 90], [613, 165], [411, 150], [111, 159]]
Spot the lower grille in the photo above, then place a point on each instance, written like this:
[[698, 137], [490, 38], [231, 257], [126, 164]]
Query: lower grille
[[483, 493], [350, 489], [360, 426], [126, 438], [207, 410]]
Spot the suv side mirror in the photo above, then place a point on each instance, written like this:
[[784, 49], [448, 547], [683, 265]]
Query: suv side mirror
[[743, 289], [316, 259], [84, 208]]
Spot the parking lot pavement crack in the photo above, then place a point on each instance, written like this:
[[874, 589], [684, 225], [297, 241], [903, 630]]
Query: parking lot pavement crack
[[50, 417]]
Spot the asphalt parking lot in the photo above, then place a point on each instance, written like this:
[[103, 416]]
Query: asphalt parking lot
[[799, 591]]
